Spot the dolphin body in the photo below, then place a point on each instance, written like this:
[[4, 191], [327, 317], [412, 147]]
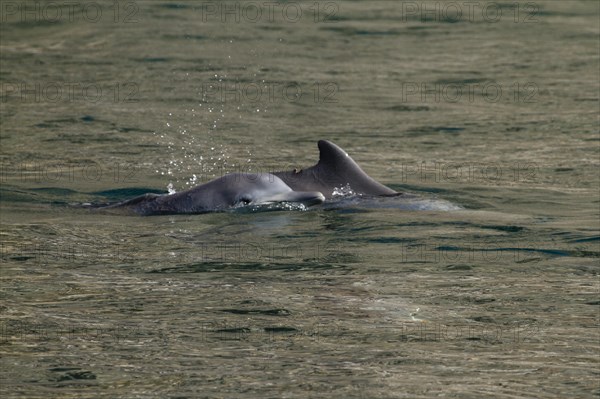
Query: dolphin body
[[335, 170], [229, 191], [311, 186]]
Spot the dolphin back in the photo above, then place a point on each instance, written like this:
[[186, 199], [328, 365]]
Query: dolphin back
[[144, 205]]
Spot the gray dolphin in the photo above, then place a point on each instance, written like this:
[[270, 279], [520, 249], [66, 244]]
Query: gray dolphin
[[335, 169], [229, 191]]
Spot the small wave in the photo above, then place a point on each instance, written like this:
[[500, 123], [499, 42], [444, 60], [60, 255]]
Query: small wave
[[407, 202], [279, 206]]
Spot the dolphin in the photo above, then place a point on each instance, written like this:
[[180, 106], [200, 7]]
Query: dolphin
[[335, 169], [230, 191]]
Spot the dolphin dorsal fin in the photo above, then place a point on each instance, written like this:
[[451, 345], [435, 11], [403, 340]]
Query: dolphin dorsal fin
[[337, 168], [331, 155]]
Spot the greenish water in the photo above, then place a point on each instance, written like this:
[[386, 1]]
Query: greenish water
[[494, 112]]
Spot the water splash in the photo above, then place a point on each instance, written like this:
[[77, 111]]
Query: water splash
[[344, 191], [276, 206], [170, 188]]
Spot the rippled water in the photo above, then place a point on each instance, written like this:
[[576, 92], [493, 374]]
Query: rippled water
[[483, 282]]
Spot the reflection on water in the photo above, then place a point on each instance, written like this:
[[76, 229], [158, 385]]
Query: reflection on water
[[482, 276]]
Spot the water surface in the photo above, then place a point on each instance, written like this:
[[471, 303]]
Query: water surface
[[495, 295]]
